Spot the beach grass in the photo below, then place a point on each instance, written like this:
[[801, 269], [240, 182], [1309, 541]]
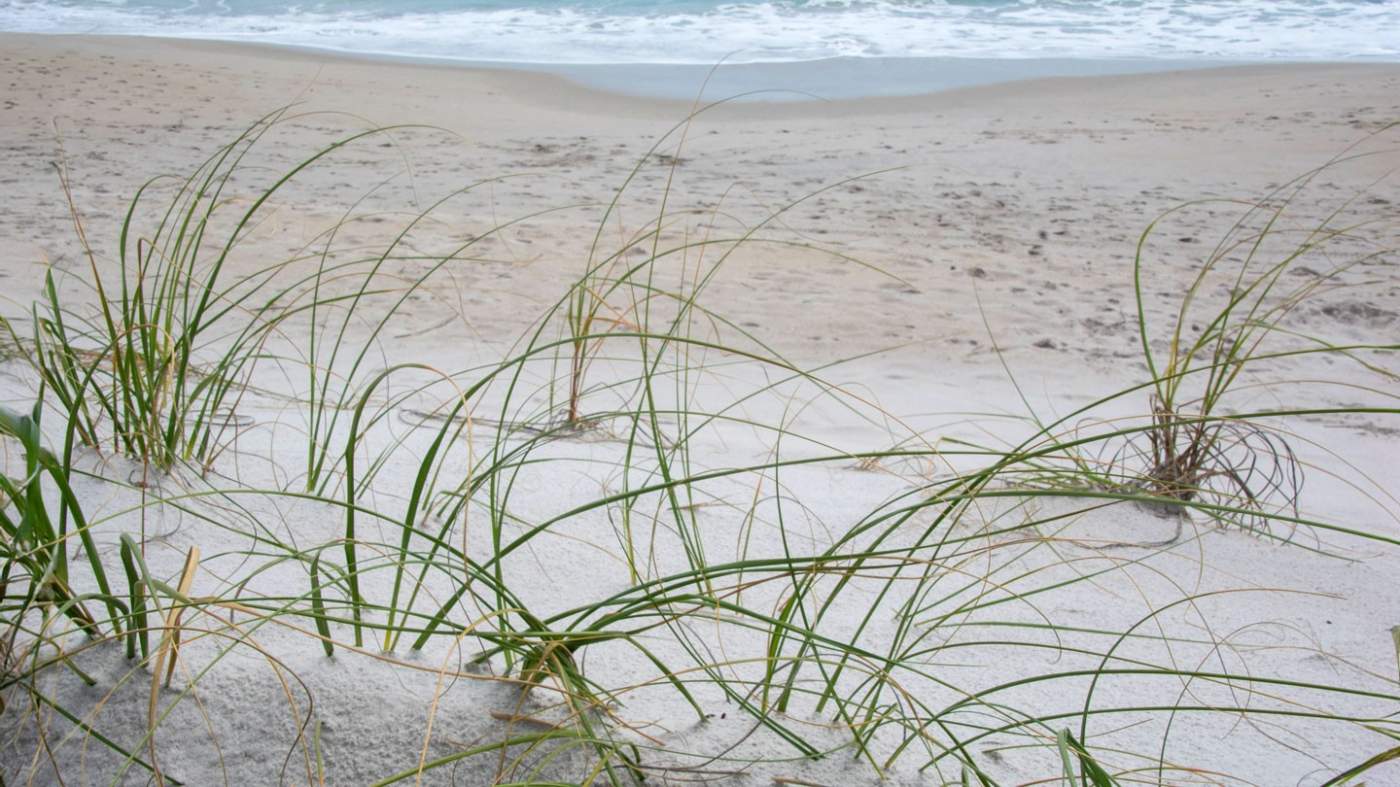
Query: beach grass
[[416, 554]]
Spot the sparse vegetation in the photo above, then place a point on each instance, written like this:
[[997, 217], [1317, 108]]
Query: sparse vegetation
[[430, 550]]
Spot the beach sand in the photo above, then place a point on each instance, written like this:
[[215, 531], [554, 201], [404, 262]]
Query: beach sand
[[1037, 184], [970, 252]]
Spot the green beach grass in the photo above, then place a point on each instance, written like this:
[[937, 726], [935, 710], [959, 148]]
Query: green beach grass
[[429, 506]]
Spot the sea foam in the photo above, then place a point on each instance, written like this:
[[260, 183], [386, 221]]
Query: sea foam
[[693, 31]]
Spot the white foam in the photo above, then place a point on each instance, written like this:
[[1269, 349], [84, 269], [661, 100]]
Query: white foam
[[777, 32]]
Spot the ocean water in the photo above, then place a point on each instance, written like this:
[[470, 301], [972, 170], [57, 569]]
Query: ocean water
[[703, 32]]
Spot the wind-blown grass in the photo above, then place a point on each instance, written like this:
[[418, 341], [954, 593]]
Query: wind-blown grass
[[418, 548]]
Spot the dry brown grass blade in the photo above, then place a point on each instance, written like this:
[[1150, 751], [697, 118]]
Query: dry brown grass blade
[[167, 655]]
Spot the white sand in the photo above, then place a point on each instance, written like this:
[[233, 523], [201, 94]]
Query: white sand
[[1004, 215]]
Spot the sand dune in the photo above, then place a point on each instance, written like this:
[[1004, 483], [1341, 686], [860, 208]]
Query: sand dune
[[968, 256]]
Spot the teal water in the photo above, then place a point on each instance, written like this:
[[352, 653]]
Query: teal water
[[706, 31], [830, 48]]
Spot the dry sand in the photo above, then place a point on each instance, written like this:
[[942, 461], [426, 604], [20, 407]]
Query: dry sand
[[1003, 216], [984, 173]]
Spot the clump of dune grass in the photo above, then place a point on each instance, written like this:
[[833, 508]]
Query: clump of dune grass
[[154, 362], [142, 373], [833, 642], [1195, 447]]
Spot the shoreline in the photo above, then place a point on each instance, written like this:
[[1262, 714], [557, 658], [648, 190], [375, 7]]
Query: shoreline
[[556, 91], [819, 79], [784, 82]]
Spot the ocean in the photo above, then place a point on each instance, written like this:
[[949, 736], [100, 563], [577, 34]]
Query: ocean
[[1101, 36]]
